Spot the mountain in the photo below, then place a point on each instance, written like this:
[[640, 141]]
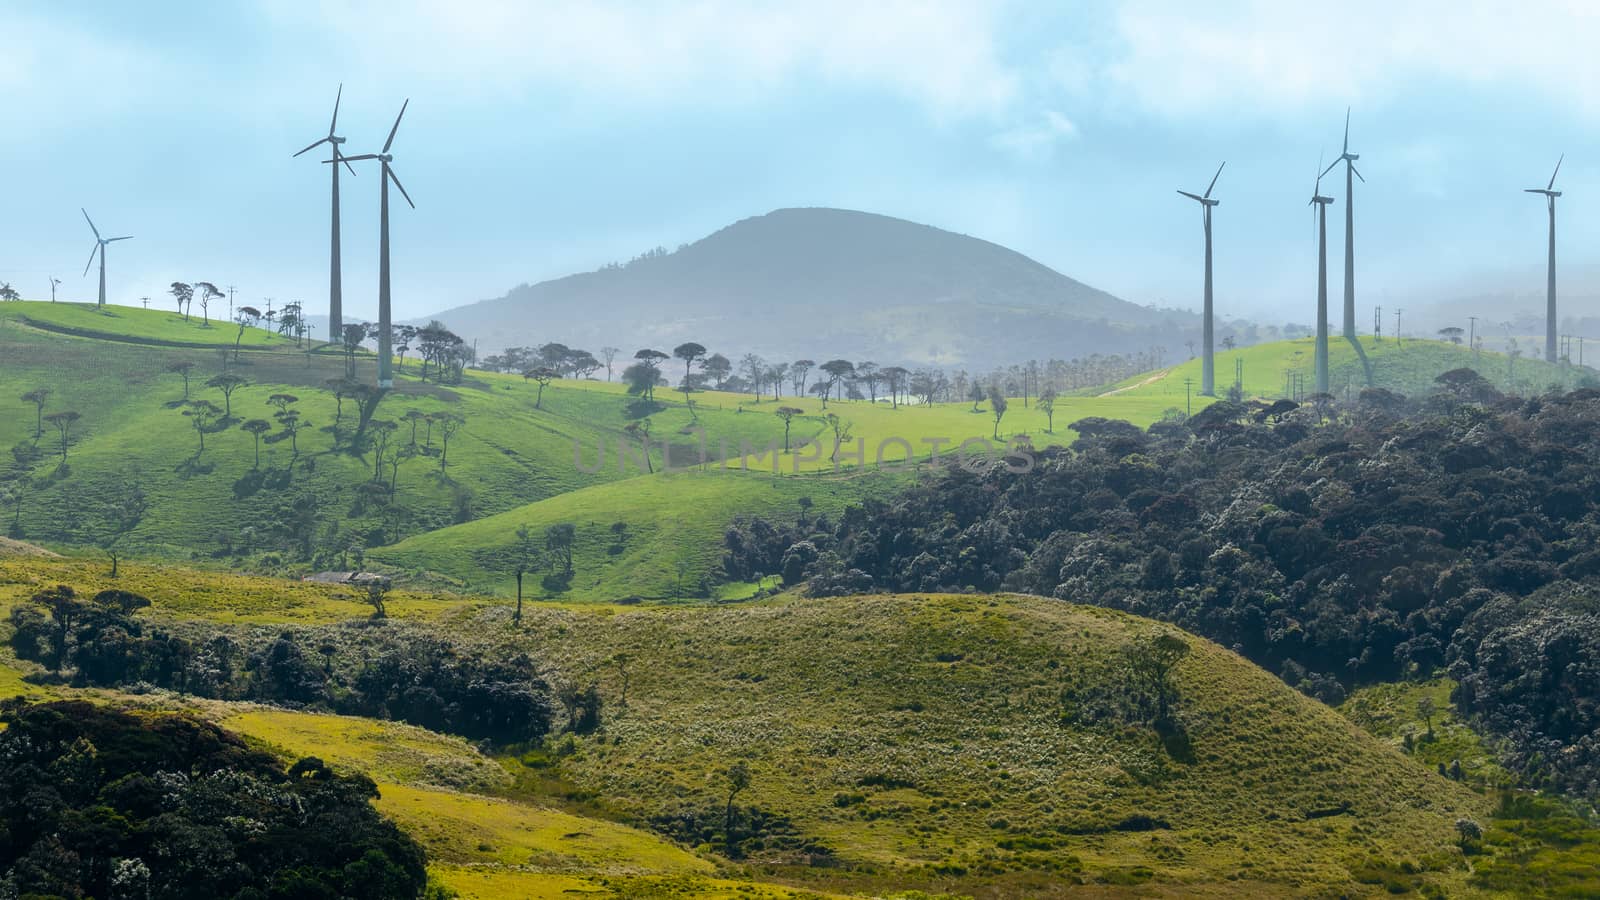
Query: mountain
[[823, 283]]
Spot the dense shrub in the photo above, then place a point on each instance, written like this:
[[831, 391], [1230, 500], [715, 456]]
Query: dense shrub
[[97, 802]]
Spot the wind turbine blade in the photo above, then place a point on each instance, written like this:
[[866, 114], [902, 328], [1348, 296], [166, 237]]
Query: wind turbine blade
[[1330, 167], [91, 222], [126, 237], [1214, 178], [396, 125], [312, 146], [336, 98], [357, 157], [396, 179], [1358, 172], [1347, 129], [91, 257], [341, 157], [1534, 191], [1192, 196], [1553, 174]]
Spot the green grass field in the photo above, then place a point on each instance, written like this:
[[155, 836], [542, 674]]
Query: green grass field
[[136, 324], [1407, 367]]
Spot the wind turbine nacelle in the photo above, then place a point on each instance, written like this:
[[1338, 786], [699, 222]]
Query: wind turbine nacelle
[[335, 140], [1351, 156]]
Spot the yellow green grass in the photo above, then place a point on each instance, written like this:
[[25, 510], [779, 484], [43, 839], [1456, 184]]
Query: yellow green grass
[[1407, 367], [132, 323]]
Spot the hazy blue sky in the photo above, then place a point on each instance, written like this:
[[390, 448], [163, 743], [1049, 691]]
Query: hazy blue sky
[[544, 139]]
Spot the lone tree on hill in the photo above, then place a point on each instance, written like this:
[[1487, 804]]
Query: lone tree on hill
[[543, 375], [738, 781], [256, 428], [607, 355], [123, 514], [227, 383], [37, 397], [183, 369], [63, 421], [292, 425], [558, 541], [203, 414], [1151, 660], [787, 414], [245, 316], [524, 558], [182, 293], [207, 292]]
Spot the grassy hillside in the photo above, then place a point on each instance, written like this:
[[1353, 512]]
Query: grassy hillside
[[136, 324], [949, 743], [1407, 367]]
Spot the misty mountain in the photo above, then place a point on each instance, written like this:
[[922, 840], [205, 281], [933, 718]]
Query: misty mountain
[[829, 282]]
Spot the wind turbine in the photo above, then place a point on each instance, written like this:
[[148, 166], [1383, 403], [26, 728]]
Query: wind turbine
[[1349, 159], [100, 248], [1550, 195], [385, 376], [1321, 213], [1207, 379], [335, 279], [54, 281]]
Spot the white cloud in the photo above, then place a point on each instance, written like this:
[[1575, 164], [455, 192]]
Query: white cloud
[[1269, 57], [940, 54], [1037, 139]]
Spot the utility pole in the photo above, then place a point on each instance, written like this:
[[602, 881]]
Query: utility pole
[[1397, 312], [1377, 323], [230, 303], [1188, 407], [1472, 334], [1238, 376], [145, 300]]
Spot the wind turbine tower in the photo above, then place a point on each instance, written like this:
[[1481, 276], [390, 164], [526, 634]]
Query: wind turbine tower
[[335, 279], [100, 248], [1321, 213], [1207, 363], [1349, 160], [385, 363], [1550, 194]]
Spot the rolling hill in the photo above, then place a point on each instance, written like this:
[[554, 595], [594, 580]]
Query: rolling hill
[[829, 282]]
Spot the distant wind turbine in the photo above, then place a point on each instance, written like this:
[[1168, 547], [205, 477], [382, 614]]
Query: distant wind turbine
[[100, 248], [385, 376], [1207, 379], [1550, 195], [1349, 159], [335, 279], [54, 281], [1321, 213]]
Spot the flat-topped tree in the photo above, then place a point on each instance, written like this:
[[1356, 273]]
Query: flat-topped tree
[[203, 415], [38, 397], [227, 383], [689, 352], [256, 428], [787, 414], [63, 422]]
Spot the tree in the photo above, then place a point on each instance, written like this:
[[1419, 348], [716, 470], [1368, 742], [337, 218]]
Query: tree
[[63, 422], [775, 376], [558, 541], [976, 394], [1151, 660], [203, 414], [689, 352], [182, 293], [377, 586], [525, 557], [754, 369], [8, 293], [65, 609], [1426, 709], [641, 380], [738, 780], [413, 417], [381, 430], [717, 368], [1451, 334], [798, 370], [245, 316], [256, 428], [227, 383], [37, 397], [449, 424], [123, 513], [837, 370], [640, 430], [292, 425], [401, 337], [840, 426], [1228, 342], [543, 375], [821, 390], [350, 338], [787, 414], [1047, 403], [867, 373], [997, 406], [207, 292], [607, 354], [650, 360], [894, 378], [183, 369]]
